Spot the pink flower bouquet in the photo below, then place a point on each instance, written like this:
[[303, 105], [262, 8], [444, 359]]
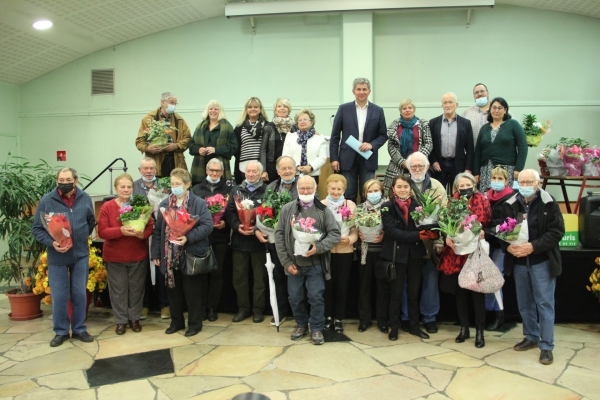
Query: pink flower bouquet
[[305, 234], [592, 164], [343, 217], [467, 236], [216, 205], [512, 231], [179, 222], [574, 160]]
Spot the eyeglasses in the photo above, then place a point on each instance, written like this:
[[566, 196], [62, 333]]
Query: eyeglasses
[[480, 92], [303, 119], [305, 189], [210, 170], [497, 108], [416, 167], [173, 103], [527, 183]]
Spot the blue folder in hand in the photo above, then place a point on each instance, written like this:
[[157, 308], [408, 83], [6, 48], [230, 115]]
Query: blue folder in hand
[[355, 144]]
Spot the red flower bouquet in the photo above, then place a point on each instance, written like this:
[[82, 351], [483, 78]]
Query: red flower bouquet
[[216, 205], [179, 222], [59, 227], [246, 212]]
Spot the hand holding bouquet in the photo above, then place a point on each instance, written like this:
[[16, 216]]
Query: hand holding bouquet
[[369, 223], [268, 213], [305, 234], [179, 222], [462, 228], [246, 212], [136, 214], [512, 231], [216, 205], [156, 132], [343, 217], [59, 227], [426, 215]]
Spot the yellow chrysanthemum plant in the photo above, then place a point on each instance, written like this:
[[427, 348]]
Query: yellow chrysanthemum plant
[[595, 281], [97, 278]]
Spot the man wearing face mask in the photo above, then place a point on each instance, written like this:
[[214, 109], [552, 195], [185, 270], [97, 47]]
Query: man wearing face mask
[[248, 251], [535, 264], [478, 113], [170, 156], [312, 271]]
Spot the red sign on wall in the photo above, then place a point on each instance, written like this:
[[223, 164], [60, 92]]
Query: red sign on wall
[[61, 155]]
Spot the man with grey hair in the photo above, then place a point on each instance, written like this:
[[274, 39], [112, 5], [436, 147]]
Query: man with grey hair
[[535, 264], [247, 249], [365, 122], [453, 149], [171, 155]]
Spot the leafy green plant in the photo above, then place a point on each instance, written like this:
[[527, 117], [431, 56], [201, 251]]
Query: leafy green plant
[[451, 216], [366, 218]]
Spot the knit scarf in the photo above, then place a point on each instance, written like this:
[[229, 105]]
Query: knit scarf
[[254, 130], [406, 138], [495, 196], [173, 252], [199, 162], [364, 246], [302, 140], [283, 125]]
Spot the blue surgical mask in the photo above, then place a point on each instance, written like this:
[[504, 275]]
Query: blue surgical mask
[[251, 187], [288, 182], [170, 109], [374, 198], [148, 180], [497, 186], [515, 185], [177, 191], [211, 181], [527, 191], [480, 102], [341, 199]]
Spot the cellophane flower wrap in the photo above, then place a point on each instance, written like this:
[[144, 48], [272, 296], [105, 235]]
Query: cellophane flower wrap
[[59, 227], [513, 231], [246, 212], [344, 219], [157, 131], [162, 191], [136, 213], [267, 215], [179, 221], [426, 215], [592, 164], [216, 206], [305, 234], [573, 159], [456, 222], [369, 223]]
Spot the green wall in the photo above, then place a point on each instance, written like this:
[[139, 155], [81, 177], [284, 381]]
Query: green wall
[[542, 62], [9, 128]]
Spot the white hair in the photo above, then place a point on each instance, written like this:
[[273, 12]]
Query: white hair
[[532, 171], [166, 96], [260, 167], [450, 94], [214, 161], [417, 153]]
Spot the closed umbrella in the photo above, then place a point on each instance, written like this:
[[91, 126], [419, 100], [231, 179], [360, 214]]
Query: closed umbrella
[[272, 292]]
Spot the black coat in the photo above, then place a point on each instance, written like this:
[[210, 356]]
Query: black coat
[[405, 234], [203, 190], [465, 149], [496, 220], [241, 242]]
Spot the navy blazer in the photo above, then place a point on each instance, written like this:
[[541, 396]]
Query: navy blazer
[[465, 149], [346, 123]]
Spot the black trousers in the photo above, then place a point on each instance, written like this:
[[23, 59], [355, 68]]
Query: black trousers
[[462, 306], [212, 284], [187, 290], [365, 283], [447, 174], [336, 289], [280, 279], [411, 273]]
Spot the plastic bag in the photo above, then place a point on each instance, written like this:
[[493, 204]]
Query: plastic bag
[[556, 167], [480, 274]]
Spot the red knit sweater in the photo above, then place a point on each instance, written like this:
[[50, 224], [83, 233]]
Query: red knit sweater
[[117, 247]]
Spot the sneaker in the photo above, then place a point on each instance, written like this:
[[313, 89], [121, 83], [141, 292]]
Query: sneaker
[[317, 337], [546, 357], [144, 313], [299, 332], [281, 320], [165, 313]]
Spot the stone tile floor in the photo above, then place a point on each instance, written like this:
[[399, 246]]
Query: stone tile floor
[[226, 359]]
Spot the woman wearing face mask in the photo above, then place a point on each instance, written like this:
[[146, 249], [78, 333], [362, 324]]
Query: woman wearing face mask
[[450, 263], [306, 146], [336, 289], [369, 254], [213, 138], [170, 256], [406, 135], [249, 134], [126, 254], [497, 195], [402, 235], [274, 138]]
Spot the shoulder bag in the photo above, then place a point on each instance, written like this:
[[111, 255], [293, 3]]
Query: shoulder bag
[[198, 265], [385, 269], [480, 274]]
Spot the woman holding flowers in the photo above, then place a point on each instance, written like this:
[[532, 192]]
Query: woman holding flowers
[[213, 139], [336, 289], [125, 252], [404, 240], [274, 136], [451, 263], [170, 256]]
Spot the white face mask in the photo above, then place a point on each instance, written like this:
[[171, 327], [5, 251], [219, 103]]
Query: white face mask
[[306, 198]]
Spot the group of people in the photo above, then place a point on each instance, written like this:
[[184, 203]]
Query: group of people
[[476, 156]]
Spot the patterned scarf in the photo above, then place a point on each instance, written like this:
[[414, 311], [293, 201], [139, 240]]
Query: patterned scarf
[[364, 246], [283, 125], [254, 130], [302, 140], [173, 252], [406, 138]]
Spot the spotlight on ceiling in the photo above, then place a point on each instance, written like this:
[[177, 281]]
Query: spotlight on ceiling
[[43, 24]]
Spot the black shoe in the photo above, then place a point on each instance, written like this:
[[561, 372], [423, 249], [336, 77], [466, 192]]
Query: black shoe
[[479, 340], [431, 327], [546, 357], [84, 337], [339, 328], [383, 328], [393, 336], [363, 327], [212, 315], [241, 315], [419, 333], [328, 323], [463, 335], [405, 326], [258, 317], [192, 332], [497, 322], [58, 340], [525, 344], [172, 329]]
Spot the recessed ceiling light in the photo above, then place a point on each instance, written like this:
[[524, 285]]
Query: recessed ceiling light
[[43, 24]]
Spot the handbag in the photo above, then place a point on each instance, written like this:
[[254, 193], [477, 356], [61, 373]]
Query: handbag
[[198, 265], [480, 274], [386, 269]]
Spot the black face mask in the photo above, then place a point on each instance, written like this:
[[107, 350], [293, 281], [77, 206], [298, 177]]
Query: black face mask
[[466, 192], [65, 187]]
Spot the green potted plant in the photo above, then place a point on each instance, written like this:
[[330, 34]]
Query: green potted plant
[[22, 185]]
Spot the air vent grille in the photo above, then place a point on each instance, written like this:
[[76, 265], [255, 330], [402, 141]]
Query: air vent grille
[[103, 81]]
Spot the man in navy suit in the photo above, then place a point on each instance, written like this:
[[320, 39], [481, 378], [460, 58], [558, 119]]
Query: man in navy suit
[[365, 121], [453, 148]]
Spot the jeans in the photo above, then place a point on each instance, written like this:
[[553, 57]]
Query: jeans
[[352, 175], [65, 286], [497, 256], [430, 294], [312, 277], [535, 298]]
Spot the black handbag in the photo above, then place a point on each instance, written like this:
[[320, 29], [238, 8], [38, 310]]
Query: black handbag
[[385, 269], [198, 265]]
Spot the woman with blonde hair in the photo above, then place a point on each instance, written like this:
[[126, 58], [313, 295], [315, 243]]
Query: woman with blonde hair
[[274, 137], [249, 134]]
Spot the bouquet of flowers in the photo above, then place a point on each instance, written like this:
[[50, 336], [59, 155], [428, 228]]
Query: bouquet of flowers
[[513, 231], [534, 131], [156, 132], [305, 234], [59, 227], [179, 222], [456, 222], [592, 164], [343, 217], [426, 215], [595, 281], [573, 159], [136, 213], [268, 213], [369, 223], [217, 205], [246, 212], [162, 191]]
